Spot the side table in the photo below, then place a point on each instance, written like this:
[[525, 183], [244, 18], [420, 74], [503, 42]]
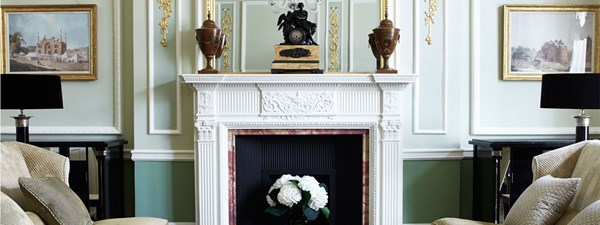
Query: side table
[[109, 155], [522, 152]]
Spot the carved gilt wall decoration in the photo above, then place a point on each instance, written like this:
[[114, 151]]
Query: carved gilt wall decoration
[[226, 21], [334, 29], [167, 7], [429, 14]]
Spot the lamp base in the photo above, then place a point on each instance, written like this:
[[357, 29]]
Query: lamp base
[[582, 130], [22, 125]]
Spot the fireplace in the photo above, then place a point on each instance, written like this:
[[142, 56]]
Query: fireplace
[[250, 106], [337, 158]]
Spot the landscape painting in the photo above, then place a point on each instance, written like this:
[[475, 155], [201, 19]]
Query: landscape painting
[[553, 39], [58, 40]]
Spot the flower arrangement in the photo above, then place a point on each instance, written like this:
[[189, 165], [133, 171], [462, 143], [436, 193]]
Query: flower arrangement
[[299, 197]]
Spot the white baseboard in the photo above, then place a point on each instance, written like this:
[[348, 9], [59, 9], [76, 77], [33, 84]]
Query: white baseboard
[[188, 155]]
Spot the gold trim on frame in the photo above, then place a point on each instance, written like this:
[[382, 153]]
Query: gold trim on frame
[[429, 14], [506, 74], [90, 74], [167, 7], [334, 29]]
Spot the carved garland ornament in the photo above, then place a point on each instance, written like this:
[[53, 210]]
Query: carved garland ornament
[[226, 21], [167, 7], [390, 102], [205, 102], [429, 14], [298, 103], [334, 29]]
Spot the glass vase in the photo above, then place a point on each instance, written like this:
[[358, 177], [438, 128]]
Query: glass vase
[[298, 222]]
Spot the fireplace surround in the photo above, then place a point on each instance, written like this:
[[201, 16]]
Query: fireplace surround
[[227, 102]]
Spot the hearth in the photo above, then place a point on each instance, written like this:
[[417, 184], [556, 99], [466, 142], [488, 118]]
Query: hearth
[[264, 103]]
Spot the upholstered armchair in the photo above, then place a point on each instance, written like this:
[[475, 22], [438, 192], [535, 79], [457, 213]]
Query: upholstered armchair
[[34, 183], [565, 191]]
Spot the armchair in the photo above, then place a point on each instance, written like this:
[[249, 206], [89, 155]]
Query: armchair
[[20, 161], [580, 161]]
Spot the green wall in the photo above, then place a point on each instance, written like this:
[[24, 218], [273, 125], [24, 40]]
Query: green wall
[[432, 190], [165, 190]]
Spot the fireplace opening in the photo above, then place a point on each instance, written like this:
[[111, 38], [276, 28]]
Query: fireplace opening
[[339, 160]]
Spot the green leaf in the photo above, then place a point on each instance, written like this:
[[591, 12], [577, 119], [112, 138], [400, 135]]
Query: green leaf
[[324, 186], [310, 214], [325, 212], [278, 210], [273, 195], [305, 197]]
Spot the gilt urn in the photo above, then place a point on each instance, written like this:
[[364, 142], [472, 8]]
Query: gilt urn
[[211, 42], [386, 37]]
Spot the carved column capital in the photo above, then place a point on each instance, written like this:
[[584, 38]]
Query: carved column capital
[[391, 129], [206, 129]]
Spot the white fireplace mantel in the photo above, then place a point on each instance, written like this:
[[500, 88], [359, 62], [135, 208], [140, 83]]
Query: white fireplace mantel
[[224, 102]]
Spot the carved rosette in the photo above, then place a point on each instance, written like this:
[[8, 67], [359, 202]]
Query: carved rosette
[[391, 130], [298, 103], [205, 103], [206, 130]]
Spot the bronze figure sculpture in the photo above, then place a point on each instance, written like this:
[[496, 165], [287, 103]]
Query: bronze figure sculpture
[[297, 30]]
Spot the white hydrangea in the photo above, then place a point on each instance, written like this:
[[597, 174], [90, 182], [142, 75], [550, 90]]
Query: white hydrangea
[[289, 195], [283, 180], [318, 198], [270, 201], [308, 183]]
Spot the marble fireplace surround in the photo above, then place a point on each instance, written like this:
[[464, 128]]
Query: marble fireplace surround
[[226, 102]]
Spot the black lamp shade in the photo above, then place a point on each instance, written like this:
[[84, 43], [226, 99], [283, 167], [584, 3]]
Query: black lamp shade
[[21, 91], [571, 91]]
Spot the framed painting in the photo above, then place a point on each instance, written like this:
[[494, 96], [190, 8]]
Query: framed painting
[[49, 39], [543, 39]]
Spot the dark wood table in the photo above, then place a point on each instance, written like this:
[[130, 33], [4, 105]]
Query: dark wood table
[[522, 152], [109, 154]]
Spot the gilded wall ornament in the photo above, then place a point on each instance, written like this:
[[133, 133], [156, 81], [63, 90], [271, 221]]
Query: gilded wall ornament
[[167, 7]]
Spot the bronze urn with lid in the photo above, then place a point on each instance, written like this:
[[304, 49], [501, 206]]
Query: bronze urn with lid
[[384, 37], [211, 42]]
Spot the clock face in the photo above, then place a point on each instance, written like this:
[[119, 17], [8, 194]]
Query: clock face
[[296, 36]]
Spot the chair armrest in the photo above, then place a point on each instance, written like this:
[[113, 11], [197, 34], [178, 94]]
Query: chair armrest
[[558, 163], [42, 162], [457, 221]]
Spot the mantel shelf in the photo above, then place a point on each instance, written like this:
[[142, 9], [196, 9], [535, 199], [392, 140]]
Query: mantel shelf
[[337, 78]]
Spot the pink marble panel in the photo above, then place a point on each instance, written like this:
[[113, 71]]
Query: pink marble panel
[[232, 163]]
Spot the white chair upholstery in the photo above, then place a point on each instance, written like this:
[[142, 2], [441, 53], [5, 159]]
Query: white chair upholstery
[[24, 160]]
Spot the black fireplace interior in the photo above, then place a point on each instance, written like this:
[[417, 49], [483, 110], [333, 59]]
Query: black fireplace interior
[[335, 160]]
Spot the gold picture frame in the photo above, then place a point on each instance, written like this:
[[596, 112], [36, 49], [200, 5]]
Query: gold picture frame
[[541, 39], [49, 40]]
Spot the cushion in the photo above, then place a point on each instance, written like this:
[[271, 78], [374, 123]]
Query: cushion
[[54, 201], [11, 212], [589, 215], [12, 166], [35, 218], [543, 202], [133, 221]]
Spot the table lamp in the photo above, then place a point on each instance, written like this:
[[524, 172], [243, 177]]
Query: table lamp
[[572, 91], [21, 91]]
